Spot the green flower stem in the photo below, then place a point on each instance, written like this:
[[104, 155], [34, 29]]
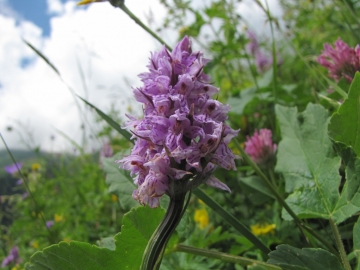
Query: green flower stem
[[282, 202], [339, 245], [252, 71], [154, 250], [272, 177], [231, 220], [274, 56], [120, 4], [224, 257]]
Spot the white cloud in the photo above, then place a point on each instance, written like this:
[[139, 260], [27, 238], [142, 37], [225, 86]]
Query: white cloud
[[102, 40], [256, 17], [5, 9], [55, 7]]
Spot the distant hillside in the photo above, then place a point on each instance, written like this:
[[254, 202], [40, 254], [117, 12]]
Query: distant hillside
[[27, 155], [19, 155]]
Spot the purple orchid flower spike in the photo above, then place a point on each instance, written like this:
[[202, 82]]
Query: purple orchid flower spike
[[182, 137]]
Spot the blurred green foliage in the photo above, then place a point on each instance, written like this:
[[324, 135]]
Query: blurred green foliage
[[87, 205]]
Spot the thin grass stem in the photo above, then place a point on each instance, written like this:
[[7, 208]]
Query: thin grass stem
[[223, 256]]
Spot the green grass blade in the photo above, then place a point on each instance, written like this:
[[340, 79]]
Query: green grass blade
[[42, 56], [231, 220], [224, 256], [335, 86], [110, 121]]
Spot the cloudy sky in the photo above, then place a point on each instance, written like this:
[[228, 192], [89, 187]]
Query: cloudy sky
[[98, 51]]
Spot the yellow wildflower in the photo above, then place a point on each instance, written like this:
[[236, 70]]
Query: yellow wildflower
[[35, 244], [35, 167], [201, 217], [114, 198], [86, 2], [262, 229], [201, 202], [183, 30], [67, 240], [58, 218]]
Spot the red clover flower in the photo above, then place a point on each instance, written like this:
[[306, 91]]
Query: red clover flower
[[260, 146], [182, 136], [341, 61]]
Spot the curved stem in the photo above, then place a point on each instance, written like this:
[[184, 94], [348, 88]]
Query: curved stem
[[224, 257], [153, 252]]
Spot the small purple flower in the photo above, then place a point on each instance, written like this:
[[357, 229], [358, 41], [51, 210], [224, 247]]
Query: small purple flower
[[25, 195], [341, 61], [262, 61], [19, 182], [49, 223], [183, 135], [13, 168], [260, 146], [12, 257], [253, 45], [106, 151]]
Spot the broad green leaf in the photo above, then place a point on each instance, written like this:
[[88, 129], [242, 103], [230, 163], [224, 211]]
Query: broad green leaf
[[356, 239], [256, 267], [291, 258], [138, 226], [344, 125], [119, 182], [305, 157], [349, 202]]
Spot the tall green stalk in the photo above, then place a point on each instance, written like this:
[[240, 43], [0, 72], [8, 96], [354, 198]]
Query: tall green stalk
[[157, 243], [120, 4]]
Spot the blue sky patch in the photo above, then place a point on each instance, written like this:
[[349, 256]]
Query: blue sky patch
[[24, 62], [34, 11]]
